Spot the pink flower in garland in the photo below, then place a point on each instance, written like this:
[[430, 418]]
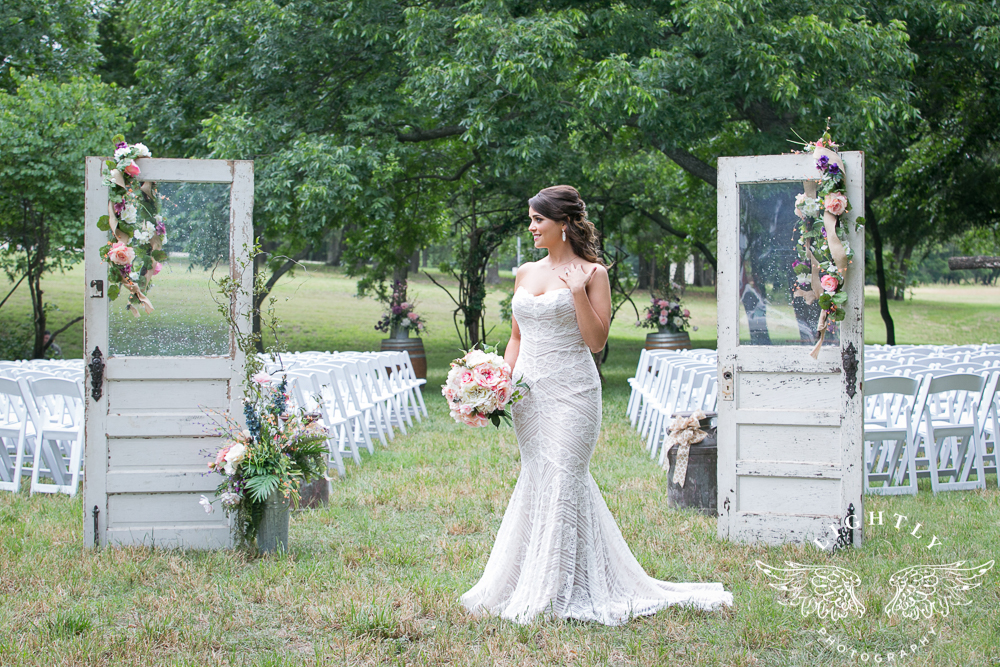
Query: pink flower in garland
[[121, 254], [132, 169], [829, 283], [835, 203]]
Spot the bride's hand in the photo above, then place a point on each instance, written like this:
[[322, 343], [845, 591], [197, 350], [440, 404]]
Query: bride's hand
[[576, 277]]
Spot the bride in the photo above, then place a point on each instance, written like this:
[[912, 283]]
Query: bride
[[559, 551]]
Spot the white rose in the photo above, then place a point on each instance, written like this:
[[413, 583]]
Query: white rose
[[128, 215], [234, 456], [475, 357], [141, 150], [145, 232], [119, 152]]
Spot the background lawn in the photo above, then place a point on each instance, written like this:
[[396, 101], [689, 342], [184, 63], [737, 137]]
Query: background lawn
[[374, 578]]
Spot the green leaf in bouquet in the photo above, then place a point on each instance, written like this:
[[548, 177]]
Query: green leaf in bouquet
[[118, 139], [160, 255], [104, 223], [113, 291], [110, 164], [261, 486], [495, 418], [126, 228]]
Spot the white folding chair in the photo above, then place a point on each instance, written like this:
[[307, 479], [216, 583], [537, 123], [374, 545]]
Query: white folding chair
[[951, 436], [890, 445], [304, 393], [16, 435], [344, 399], [57, 415]]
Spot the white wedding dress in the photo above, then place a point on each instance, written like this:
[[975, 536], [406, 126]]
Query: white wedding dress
[[559, 551]]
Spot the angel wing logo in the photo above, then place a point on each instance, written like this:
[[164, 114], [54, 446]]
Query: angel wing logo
[[830, 591]]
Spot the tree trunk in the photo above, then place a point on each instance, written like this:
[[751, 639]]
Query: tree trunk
[[334, 247], [679, 272], [883, 293], [699, 269], [415, 262], [643, 271], [904, 268], [493, 272]]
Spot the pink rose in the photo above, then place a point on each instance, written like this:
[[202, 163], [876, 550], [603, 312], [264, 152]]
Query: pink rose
[[261, 378], [649, 315], [487, 376], [687, 313], [466, 377], [829, 283], [132, 169], [413, 316], [835, 203], [664, 303], [663, 318], [121, 254], [503, 393], [157, 267], [475, 419]]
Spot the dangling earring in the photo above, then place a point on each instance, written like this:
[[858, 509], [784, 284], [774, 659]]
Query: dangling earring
[[564, 235]]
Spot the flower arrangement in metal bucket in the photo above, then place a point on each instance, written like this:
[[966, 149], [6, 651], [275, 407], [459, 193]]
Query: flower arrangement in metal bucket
[[823, 249], [401, 313], [278, 451], [665, 312], [136, 223]]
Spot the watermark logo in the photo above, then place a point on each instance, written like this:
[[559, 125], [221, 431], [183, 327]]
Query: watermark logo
[[831, 592], [917, 592]]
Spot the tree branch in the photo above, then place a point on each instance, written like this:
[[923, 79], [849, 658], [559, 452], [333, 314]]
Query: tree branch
[[457, 176], [692, 164], [419, 135], [59, 331], [666, 226], [11, 292]]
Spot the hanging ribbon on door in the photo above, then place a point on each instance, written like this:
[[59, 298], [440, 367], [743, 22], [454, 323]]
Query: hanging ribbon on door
[[824, 251]]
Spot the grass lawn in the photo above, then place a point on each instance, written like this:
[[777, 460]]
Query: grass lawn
[[374, 578]]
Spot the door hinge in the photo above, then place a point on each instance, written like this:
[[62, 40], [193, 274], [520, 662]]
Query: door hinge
[[726, 383], [849, 358], [98, 289]]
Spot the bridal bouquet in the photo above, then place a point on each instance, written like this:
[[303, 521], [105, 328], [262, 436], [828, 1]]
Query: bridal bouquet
[[480, 388]]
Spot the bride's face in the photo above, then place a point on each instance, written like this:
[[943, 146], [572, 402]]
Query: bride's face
[[546, 232]]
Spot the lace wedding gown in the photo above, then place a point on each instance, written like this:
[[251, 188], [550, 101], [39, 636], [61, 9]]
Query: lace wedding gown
[[559, 551]]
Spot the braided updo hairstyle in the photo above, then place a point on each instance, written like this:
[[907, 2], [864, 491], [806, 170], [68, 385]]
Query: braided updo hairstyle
[[562, 204]]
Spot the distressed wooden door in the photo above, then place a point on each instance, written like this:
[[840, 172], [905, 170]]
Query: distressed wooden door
[[789, 426], [168, 376]]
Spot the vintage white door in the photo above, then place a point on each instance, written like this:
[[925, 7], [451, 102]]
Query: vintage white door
[[789, 426], [167, 375]]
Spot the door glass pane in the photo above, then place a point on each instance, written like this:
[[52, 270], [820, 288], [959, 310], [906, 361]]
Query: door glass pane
[[185, 320], [769, 313]]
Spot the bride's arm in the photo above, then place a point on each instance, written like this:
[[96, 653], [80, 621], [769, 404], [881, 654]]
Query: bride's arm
[[514, 344], [592, 297]]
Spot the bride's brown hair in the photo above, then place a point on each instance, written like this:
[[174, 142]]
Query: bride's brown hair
[[563, 204]]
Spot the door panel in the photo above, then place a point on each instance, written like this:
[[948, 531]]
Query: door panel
[[169, 375], [789, 433]]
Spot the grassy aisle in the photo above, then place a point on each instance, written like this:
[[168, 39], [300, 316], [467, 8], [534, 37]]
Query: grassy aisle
[[374, 578]]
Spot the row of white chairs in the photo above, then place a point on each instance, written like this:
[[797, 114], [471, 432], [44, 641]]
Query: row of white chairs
[[936, 417], [667, 382], [935, 424], [41, 429], [359, 396]]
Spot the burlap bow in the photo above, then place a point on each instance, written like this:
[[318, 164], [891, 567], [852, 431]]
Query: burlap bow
[[684, 432]]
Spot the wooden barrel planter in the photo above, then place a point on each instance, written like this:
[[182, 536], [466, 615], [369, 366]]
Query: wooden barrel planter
[[668, 341], [414, 347], [701, 483]]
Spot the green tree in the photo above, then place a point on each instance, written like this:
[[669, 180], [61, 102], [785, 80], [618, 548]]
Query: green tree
[[46, 131]]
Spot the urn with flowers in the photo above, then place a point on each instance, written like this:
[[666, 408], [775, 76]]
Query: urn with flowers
[[399, 320], [670, 319]]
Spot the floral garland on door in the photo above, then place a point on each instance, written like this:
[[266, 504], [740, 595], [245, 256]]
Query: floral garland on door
[[134, 218], [824, 251]]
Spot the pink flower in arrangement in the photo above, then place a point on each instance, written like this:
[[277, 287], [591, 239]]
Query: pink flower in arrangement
[[121, 254], [220, 459], [157, 267], [487, 376], [420, 327], [835, 203], [829, 283], [687, 313], [466, 377], [503, 393], [261, 378], [474, 419], [404, 305], [664, 303], [132, 169], [412, 316], [663, 318], [649, 314]]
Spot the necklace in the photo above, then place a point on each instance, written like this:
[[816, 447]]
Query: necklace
[[564, 263]]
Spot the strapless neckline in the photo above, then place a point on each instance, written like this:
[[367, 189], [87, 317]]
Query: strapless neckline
[[538, 296]]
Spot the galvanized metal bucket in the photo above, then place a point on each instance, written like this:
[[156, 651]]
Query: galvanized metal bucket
[[273, 531]]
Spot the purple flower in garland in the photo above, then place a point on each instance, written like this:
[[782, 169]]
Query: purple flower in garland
[[397, 310], [121, 145], [834, 169], [161, 228], [824, 232], [119, 207], [823, 163]]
